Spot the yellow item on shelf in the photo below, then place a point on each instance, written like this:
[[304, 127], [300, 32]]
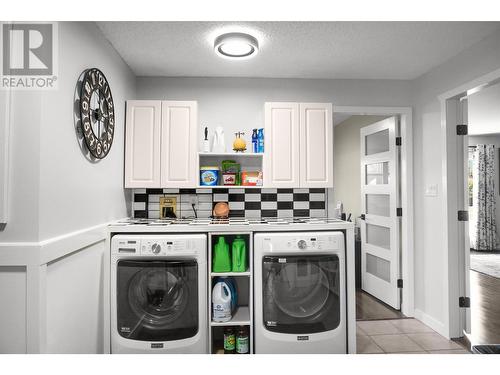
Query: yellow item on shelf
[[239, 144]]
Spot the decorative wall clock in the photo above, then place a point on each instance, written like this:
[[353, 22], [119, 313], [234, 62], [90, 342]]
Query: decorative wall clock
[[97, 113]]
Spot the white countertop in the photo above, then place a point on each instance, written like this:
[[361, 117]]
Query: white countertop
[[228, 225]]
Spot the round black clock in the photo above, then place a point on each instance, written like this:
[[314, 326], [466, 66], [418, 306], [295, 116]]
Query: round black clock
[[97, 113]]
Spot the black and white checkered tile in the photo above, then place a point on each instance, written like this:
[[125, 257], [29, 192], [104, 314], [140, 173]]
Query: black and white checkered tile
[[249, 203]]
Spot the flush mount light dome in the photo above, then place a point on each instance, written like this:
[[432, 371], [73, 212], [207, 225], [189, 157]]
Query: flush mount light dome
[[236, 45]]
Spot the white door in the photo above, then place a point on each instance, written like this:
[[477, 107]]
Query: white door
[[179, 144], [281, 145], [380, 229], [142, 144], [316, 145]]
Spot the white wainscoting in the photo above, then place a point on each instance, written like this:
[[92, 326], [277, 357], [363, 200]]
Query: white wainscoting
[[54, 291], [13, 310]]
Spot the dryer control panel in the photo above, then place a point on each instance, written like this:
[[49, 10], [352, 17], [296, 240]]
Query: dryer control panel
[[300, 241]]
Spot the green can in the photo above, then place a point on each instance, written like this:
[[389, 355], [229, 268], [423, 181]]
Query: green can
[[229, 341], [242, 341]]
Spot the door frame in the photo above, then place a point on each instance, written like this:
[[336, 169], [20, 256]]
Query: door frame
[[406, 177], [453, 176]]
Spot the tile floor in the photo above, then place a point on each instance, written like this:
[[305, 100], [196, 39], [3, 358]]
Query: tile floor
[[407, 336]]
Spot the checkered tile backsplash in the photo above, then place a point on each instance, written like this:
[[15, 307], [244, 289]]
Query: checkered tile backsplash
[[249, 203]]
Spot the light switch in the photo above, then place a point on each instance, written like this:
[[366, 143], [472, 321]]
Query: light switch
[[431, 190]]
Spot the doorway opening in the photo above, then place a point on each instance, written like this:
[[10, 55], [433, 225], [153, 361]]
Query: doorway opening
[[477, 316], [373, 188]]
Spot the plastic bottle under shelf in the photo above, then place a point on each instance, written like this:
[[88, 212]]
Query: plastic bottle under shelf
[[221, 302]]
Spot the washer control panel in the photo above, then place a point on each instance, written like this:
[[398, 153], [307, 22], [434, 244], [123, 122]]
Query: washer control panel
[[157, 245]]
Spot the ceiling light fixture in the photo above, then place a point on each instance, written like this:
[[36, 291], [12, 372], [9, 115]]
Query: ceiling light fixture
[[236, 45]]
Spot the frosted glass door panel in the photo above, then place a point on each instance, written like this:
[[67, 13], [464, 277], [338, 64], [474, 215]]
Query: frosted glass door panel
[[378, 267], [377, 142], [377, 173], [378, 204], [378, 236]]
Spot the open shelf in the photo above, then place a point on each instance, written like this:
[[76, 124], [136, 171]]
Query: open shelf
[[232, 274], [249, 154], [229, 187], [247, 161], [243, 282], [241, 317]]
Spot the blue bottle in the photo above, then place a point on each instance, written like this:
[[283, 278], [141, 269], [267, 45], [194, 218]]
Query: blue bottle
[[255, 142], [260, 140]]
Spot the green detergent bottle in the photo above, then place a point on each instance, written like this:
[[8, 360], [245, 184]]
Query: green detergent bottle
[[221, 261], [239, 255]]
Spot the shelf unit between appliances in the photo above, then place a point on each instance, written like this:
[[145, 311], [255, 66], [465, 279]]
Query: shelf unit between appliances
[[247, 160], [243, 315]]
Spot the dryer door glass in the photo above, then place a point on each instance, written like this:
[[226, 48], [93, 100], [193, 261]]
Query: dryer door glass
[[301, 293], [157, 300]]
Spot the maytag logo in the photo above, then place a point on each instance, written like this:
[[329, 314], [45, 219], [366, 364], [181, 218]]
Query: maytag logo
[[156, 345], [302, 338], [29, 56]]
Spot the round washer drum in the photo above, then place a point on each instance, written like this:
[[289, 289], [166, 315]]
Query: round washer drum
[[157, 300], [159, 296]]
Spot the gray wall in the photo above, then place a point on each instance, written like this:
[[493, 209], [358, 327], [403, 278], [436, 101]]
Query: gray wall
[[54, 188], [484, 111], [56, 195]]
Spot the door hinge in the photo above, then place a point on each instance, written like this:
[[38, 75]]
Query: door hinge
[[398, 141], [362, 217], [463, 302], [400, 283], [462, 129], [399, 211], [463, 215]]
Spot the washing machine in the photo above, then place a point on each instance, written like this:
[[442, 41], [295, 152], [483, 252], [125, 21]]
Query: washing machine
[[300, 292], [158, 293]]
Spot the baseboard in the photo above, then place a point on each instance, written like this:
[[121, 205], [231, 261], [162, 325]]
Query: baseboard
[[431, 322]]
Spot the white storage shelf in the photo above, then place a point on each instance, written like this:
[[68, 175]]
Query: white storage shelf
[[247, 160], [241, 317], [231, 154], [232, 274]]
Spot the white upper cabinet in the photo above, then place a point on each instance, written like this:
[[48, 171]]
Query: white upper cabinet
[[281, 145], [316, 145], [142, 144], [160, 145], [298, 145], [178, 144]]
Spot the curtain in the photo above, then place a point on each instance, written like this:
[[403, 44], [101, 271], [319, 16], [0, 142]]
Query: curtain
[[484, 231]]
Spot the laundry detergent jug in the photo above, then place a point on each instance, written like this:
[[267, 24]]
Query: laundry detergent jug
[[223, 295], [221, 261], [239, 255]]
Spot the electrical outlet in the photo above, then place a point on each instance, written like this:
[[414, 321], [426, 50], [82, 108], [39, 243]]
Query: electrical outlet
[[168, 207]]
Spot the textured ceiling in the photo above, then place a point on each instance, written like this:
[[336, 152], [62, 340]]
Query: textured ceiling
[[350, 50]]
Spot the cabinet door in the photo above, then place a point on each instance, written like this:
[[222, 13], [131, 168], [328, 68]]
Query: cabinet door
[[178, 144], [142, 144], [316, 145], [281, 145]]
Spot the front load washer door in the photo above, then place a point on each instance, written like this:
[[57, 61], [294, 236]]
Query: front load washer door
[[301, 293], [157, 300]]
